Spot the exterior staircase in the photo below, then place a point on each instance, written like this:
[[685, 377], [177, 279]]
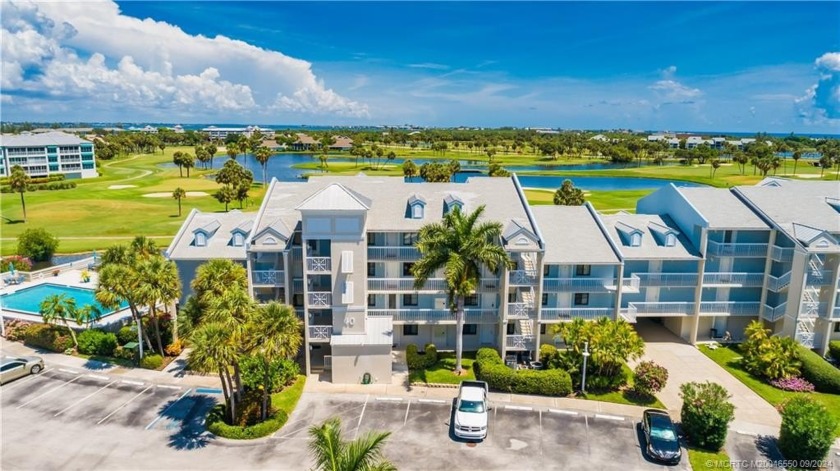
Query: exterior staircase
[[526, 327], [806, 320], [528, 298]]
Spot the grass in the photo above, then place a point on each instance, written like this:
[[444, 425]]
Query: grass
[[102, 359], [604, 201], [625, 396], [728, 358], [442, 372], [702, 459], [287, 399]]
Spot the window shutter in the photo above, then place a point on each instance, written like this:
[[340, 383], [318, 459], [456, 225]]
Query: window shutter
[[347, 261]]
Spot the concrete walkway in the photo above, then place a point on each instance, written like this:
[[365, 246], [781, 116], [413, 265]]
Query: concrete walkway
[[685, 363]]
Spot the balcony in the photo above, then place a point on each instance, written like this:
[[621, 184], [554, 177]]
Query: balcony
[[269, 277], [736, 250], [519, 342], [318, 264], [522, 278], [319, 299], [671, 280], [631, 284], [733, 279], [520, 311], [819, 277], [488, 284], [777, 284], [781, 254], [628, 314], [404, 284], [397, 254], [590, 285], [559, 314], [320, 333], [663, 309], [729, 308], [774, 313], [437, 316]]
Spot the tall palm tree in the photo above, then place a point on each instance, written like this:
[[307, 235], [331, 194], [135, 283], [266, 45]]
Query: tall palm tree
[[262, 154], [460, 246], [212, 351], [18, 182], [232, 150], [211, 150], [217, 276], [797, 154], [333, 453], [275, 333], [62, 308], [179, 194], [158, 284]]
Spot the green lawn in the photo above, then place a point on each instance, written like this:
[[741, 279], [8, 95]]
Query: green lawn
[[287, 399], [701, 459], [603, 201], [442, 371], [624, 397], [727, 357]]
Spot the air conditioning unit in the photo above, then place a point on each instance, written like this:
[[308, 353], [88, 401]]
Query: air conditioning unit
[[347, 261]]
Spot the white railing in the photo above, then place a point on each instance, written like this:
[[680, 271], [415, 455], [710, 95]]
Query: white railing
[[781, 254], [320, 299], [269, 277], [519, 342], [404, 284], [631, 283], [320, 332], [437, 316], [729, 308], [519, 310], [628, 314], [668, 279], [577, 284], [393, 253], [776, 284], [774, 313], [663, 308], [805, 338], [522, 277], [53, 270], [549, 314], [319, 264], [737, 249], [739, 279], [819, 277], [488, 284]]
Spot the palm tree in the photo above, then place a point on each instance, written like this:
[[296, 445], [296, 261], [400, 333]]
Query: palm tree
[[60, 307], [797, 154], [275, 332], [262, 154], [215, 277], [211, 150], [333, 453], [409, 169], [19, 181], [188, 161], [178, 194], [178, 159], [232, 150], [212, 352], [158, 284], [715, 164], [461, 247], [568, 195]]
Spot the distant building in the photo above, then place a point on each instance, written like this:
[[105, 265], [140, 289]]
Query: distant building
[[341, 143], [48, 153], [222, 133], [599, 137], [305, 142]]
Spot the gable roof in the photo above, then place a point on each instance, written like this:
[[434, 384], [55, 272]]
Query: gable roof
[[573, 236], [619, 226], [219, 227], [415, 198], [335, 197]]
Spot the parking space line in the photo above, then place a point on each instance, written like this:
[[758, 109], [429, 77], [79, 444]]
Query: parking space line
[[564, 412], [168, 386], [123, 405], [152, 423], [48, 392], [6, 388], [83, 399], [406, 412], [509, 407], [68, 371], [134, 383], [103, 378], [609, 417], [541, 433], [432, 401], [395, 399], [367, 396]]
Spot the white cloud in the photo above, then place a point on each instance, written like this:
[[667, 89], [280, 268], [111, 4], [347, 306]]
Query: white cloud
[[675, 91], [429, 65], [91, 52]]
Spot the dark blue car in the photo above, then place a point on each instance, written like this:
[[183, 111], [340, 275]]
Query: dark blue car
[[663, 444]]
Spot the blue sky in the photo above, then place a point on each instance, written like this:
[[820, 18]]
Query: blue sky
[[677, 66]]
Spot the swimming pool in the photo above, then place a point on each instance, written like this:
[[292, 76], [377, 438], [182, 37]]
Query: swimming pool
[[28, 300]]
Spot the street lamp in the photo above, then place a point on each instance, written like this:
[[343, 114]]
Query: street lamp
[[585, 356]]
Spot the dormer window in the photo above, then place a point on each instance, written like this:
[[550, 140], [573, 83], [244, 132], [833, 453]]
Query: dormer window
[[416, 207], [635, 239], [238, 239], [200, 239], [451, 202], [417, 211], [670, 240]]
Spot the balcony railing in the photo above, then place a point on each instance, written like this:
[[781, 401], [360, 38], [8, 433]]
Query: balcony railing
[[437, 316], [668, 279], [781, 254], [551, 314], [297, 285], [662, 309], [320, 333], [488, 284], [819, 277], [733, 279], [520, 311], [777, 284], [729, 308], [628, 314], [737, 249], [319, 299], [631, 284], [774, 313], [577, 284], [318, 264], [519, 342], [393, 253], [269, 277], [522, 277], [404, 284]]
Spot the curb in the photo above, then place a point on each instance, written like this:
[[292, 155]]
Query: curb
[[434, 385]]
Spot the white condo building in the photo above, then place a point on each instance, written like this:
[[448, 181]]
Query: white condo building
[[48, 153]]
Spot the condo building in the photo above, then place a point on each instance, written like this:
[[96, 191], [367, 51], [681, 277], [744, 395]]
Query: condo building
[[702, 262], [48, 153]]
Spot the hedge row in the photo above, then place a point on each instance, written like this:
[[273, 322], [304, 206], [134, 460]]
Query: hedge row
[[824, 376], [43, 186], [217, 426], [56, 177], [834, 349], [50, 337], [97, 342], [421, 361], [490, 367]]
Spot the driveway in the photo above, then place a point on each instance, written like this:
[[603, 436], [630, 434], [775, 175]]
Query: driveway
[[685, 363]]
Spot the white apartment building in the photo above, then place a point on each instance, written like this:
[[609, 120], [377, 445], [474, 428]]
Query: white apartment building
[[46, 154]]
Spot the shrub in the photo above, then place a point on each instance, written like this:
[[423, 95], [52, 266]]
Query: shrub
[[550, 356], [54, 338], [175, 348], [768, 357], [834, 349], [18, 262], [489, 367], [649, 378], [97, 342], [151, 362], [16, 329], [120, 352], [126, 334], [420, 361], [793, 384], [706, 413], [807, 431], [37, 244], [217, 426], [824, 376], [595, 382]]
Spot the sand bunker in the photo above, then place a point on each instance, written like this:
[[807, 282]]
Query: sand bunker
[[169, 195], [121, 187]]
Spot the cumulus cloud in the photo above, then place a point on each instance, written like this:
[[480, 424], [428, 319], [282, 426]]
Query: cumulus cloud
[[824, 96], [91, 51], [671, 91]]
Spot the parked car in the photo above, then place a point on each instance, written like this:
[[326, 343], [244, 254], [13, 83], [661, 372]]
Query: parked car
[[14, 368], [471, 410], [663, 443]]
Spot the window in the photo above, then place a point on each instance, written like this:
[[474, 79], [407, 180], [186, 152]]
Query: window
[[297, 238], [371, 300], [417, 211], [407, 267], [410, 299], [470, 329], [471, 300], [542, 329], [670, 240], [636, 240], [545, 299], [546, 270], [837, 326], [371, 239], [410, 329], [200, 239], [238, 239], [581, 299], [512, 297], [297, 300], [583, 270], [409, 239], [511, 328], [11, 366], [371, 269]]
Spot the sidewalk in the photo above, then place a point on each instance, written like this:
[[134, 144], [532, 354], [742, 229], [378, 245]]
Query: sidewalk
[[172, 374]]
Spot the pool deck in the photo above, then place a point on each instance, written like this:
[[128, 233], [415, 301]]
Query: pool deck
[[71, 278]]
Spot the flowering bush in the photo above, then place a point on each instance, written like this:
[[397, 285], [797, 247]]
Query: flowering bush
[[793, 384], [20, 263], [649, 378]]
